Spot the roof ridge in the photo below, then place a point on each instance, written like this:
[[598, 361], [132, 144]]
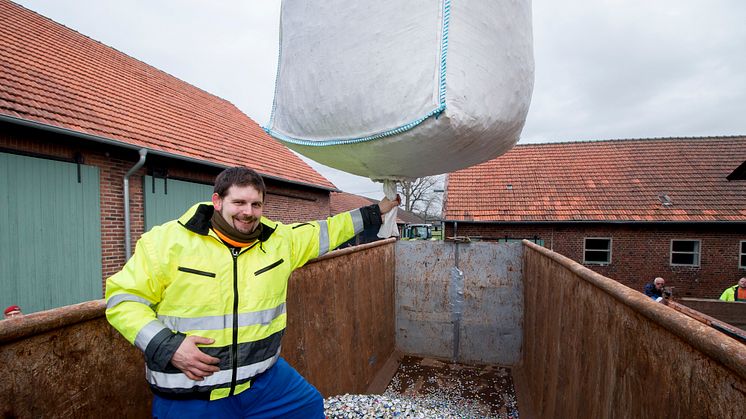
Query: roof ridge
[[641, 139], [631, 180]]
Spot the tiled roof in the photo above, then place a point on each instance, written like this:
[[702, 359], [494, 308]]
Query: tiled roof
[[406, 217], [53, 75], [615, 180], [343, 201]]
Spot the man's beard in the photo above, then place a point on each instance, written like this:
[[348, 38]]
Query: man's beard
[[250, 221]]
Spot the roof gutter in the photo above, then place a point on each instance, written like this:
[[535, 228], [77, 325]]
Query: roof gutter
[[116, 143], [127, 234], [594, 222]]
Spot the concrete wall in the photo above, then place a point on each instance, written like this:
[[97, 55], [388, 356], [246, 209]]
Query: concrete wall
[[492, 308], [595, 348], [68, 362]]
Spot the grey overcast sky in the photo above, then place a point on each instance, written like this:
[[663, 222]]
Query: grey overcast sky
[[605, 69]]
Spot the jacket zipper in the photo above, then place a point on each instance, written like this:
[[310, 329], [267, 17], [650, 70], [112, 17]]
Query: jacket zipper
[[234, 347], [235, 252]]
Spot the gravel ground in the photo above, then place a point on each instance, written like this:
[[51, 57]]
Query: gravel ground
[[384, 406], [424, 388]]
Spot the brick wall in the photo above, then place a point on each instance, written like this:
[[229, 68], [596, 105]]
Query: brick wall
[[112, 170], [285, 202], [639, 252], [289, 204]]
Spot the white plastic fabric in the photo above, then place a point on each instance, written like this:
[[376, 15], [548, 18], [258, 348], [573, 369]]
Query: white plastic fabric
[[389, 227], [402, 89]]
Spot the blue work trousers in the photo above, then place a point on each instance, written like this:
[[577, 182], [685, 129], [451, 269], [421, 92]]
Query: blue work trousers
[[280, 392]]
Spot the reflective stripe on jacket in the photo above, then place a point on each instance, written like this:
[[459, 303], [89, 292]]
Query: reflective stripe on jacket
[[183, 280]]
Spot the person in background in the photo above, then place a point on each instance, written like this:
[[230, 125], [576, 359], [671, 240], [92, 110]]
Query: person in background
[[736, 292], [204, 298], [654, 289], [12, 311]]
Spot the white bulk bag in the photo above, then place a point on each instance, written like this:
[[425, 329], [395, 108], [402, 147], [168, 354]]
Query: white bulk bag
[[402, 89]]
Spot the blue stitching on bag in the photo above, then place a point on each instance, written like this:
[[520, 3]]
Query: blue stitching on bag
[[444, 53], [398, 130]]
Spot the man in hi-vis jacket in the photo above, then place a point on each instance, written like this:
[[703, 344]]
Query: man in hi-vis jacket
[[204, 298], [736, 292]]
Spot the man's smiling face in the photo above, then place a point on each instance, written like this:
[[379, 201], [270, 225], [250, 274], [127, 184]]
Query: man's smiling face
[[241, 207]]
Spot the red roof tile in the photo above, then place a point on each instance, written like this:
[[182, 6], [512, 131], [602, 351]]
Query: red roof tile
[[343, 201], [53, 75], [615, 180]]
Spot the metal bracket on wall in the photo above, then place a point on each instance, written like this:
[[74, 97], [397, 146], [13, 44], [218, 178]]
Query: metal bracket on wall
[[78, 158], [160, 173]]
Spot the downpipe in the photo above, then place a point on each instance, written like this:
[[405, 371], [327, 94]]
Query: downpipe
[[127, 234]]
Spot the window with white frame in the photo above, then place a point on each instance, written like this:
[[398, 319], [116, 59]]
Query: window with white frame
[[597, 251], [685, 252], [742, 255]]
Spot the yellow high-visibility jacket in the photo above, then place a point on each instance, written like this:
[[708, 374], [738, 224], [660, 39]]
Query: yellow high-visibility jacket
[[183, 280], [730, 294]]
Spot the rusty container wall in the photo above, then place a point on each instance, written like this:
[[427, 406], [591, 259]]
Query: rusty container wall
[[68, 362], [595, 348], [731, 312], [492, 308], [341, 318]]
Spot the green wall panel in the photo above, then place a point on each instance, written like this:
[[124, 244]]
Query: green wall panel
[[170, 199], [50, 233]]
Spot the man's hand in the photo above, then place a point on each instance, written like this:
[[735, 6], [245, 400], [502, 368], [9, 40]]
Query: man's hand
[[191, 361], [387, 205]]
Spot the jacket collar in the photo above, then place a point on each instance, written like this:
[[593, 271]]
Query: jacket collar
[[197, 220]]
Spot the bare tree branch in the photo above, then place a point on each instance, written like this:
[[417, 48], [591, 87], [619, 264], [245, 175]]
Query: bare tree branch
[[420, 196]]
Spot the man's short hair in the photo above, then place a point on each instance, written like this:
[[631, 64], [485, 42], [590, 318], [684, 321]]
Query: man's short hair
[[239, 176], [657, 278]]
